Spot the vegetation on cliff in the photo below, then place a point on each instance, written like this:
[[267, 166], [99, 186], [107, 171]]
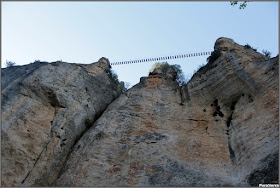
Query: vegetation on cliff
[[114, 77], [10, 63], [176, 69]]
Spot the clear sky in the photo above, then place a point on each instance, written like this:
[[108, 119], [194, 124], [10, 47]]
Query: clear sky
[[83, 32]]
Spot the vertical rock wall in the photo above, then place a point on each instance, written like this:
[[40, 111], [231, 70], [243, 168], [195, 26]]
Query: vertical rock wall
[[44, 108], [221, 129]]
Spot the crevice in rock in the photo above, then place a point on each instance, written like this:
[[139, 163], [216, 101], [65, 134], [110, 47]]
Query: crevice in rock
[[231, 152], [241, 73], [88, 126], [228, 123], [184, 94], [181, 95], [50, 138], [150, 137], [206, 129], [98, 136], [217, 109], [196, 120], [39, 156], [232, 108], [21, 93]]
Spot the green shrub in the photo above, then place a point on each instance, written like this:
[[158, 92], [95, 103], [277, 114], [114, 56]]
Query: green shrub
[[114, 77], [180, 77], [250, 47], [266, 53], [214, 56], [39, 61], [10, 63], [163, 66]]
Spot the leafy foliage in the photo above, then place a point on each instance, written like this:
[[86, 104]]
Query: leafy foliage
[[214, 55], [266, 53], [155, 66], [114, 77], [10, 63], [241, 5], [180, 77], [250, 47]]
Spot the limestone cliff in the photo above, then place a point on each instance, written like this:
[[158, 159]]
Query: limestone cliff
[[44, 109], [220, 129]]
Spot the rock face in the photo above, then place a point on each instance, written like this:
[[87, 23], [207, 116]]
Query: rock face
[[220, 129], [44, 108]]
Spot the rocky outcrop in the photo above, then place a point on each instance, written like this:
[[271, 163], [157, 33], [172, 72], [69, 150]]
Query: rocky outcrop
[[44, 109], [244, 86], [220, 129]]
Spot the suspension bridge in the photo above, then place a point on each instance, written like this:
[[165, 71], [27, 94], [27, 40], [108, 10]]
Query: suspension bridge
[[162, 58]]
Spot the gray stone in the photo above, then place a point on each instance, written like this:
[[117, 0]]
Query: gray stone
[[44, 108]]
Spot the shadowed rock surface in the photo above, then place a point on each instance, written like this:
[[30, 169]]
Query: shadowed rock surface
[[44, 108], [220, 129]]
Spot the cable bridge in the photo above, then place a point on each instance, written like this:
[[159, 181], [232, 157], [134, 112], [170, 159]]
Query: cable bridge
[[162, 58]]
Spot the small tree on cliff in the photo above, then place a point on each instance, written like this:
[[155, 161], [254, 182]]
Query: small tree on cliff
[[266, 53], [180, 77], [10, 63], [120, 84]]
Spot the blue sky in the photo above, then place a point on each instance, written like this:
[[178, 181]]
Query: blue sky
[[83, 32]]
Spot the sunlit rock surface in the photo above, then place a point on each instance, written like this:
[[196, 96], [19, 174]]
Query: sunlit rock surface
[[221, 129]]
